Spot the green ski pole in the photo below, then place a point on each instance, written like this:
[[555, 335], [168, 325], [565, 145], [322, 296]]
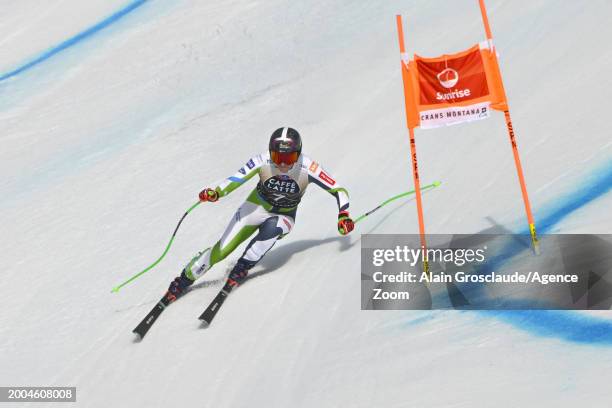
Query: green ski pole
[[427, 187], [148, 268]]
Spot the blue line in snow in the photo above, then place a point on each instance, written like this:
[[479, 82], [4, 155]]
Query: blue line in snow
[[585, 193], [74, 40], [566, 325]]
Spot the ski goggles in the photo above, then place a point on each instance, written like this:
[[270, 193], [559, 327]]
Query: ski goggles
[[286, 158]]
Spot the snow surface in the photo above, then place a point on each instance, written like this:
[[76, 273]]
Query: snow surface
[[105, 144]]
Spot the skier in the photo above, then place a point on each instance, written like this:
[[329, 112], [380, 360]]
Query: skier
[[284, 173]]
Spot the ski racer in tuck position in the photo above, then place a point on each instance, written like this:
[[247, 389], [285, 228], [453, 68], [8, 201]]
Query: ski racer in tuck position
[[270, 209]]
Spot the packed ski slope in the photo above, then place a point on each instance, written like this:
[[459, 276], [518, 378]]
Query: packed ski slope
[[114, 114]]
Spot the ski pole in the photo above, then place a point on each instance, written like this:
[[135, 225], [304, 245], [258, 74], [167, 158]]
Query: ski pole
[[427, 187], [116, 288]]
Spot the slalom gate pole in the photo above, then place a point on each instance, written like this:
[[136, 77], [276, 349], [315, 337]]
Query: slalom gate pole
[[517, 160], [419, 202], [519, 171], [148, 268], [407, 193], [415, 168]]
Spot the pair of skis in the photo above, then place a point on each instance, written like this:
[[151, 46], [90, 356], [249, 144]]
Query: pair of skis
[[206, 317]]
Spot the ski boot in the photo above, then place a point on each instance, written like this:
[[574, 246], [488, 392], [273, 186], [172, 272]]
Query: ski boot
[[178, 287], [239, 272]]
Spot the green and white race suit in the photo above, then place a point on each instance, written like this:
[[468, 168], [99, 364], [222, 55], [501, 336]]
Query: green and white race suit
[[269, 209]]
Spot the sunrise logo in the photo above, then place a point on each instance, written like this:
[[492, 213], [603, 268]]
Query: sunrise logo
[[448, 78]]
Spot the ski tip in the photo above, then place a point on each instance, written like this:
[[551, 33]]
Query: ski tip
[[436, 183], [204, 324], [137, 337]]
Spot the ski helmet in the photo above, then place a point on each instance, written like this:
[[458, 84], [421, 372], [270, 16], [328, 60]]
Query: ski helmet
[[285, 145]]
